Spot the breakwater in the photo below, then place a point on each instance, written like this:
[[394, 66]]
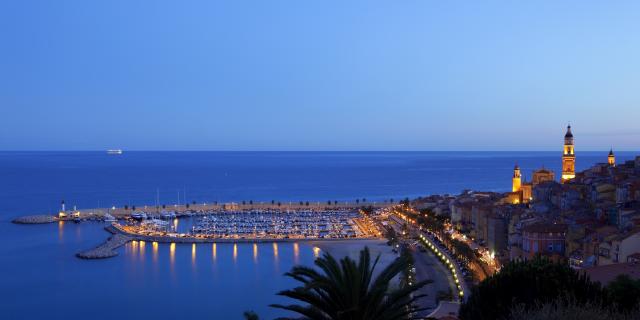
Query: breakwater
[[107, 249], [35, 219]]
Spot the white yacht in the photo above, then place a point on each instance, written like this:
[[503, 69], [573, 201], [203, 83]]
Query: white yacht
[[109, 218], [139, 215]]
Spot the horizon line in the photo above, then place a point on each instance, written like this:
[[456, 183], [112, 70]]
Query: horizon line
[[341, 150]]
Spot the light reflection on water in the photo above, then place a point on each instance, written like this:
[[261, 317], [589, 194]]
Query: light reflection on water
[[172, 254], [167, 271], [193, 254], [61, 231], [136, 250], [235, 252], [155, 252], [226, 265], [255, 252]]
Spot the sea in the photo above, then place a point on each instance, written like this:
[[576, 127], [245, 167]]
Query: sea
[[40, 277]]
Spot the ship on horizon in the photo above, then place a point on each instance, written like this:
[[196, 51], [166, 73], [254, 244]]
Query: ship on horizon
[[114, 151]]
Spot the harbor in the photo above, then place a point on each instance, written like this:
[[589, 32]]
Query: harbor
[[228, 222]]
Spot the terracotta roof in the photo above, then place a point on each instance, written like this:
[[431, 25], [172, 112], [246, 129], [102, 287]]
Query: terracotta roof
[[607, 273]]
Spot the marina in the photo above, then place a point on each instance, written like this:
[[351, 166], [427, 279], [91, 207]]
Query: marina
[[250, 225], [258, 224]]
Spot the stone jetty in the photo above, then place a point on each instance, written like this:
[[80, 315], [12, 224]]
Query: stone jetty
[[37, 219], [107, 249]]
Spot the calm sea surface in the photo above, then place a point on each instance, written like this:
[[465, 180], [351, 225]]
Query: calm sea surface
[[41, 278]]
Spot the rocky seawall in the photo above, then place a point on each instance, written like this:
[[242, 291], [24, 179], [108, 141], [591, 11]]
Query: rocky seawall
[[107, 249], [37, 219]]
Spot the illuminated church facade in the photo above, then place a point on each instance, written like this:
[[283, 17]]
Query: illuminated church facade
[[521, 191]]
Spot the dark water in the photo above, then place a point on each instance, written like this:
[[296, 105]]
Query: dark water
[[41, 278]]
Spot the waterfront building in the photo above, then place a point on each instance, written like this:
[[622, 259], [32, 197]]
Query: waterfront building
[[568, 158], [496, 233], [480, 212], [543, 239], [618, 247], [607, 273]]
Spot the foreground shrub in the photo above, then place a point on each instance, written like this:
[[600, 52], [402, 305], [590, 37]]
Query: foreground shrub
[[569, 309], [528, 284]]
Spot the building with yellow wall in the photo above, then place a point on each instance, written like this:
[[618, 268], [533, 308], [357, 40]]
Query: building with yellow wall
[[516, 181]]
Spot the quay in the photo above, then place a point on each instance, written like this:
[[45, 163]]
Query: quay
[[192, 239], [121, 237]]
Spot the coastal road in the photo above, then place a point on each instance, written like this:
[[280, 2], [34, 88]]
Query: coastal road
[[428, 267]]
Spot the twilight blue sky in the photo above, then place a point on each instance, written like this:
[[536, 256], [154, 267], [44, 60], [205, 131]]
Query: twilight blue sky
[[318, 75]]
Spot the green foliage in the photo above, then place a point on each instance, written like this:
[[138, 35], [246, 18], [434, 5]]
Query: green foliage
[[407, 275], [569, 309], [624, 292], [462, 250], [526, 284], [348, 290], [391, 235]]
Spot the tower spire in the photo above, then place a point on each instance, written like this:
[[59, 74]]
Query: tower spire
[[611, 159]]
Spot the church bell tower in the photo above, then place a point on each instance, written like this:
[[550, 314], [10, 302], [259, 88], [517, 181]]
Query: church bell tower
[[568, 158], [516, 184], [611, 159]]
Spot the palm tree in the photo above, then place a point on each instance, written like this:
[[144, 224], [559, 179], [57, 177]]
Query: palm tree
[[348, 290]]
